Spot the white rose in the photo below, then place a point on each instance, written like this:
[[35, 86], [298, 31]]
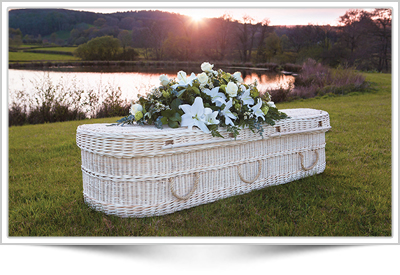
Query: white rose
[[231, 89], [206, 67], [203, 78], [135, 108], [164, 80], [238, 77]]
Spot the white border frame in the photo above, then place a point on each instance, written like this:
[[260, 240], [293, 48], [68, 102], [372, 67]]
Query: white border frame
[[5, 239]]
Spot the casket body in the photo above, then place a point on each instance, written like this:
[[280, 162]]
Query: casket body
[[141, 171]]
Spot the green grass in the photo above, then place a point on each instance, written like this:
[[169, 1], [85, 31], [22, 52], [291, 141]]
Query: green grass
[[27, 56], [58, 49], [351, 198]]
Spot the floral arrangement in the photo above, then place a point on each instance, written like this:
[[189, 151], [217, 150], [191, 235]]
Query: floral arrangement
[[208, 100]]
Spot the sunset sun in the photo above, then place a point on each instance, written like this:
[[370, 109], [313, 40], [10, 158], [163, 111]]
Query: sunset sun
[[197, 17]]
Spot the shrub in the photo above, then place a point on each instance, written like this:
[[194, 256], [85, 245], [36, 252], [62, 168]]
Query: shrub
[[16, 115], [281, 94], [316, 79], [113, 105]]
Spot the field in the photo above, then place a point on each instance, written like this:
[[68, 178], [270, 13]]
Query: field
[[28, 56], [351, 198], [58, 49]]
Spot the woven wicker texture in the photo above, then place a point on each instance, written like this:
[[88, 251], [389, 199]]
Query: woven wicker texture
[[140, 171]]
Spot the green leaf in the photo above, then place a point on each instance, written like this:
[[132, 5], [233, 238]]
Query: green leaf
[[167, 113], [176, 103], [164, 120], [173, 124], [215, 133], [176, 117], [180, 93], [196, 90]]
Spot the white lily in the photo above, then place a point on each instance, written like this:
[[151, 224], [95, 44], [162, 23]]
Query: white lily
[[197, 115], [184, 80], [216, 97], [257, 109], [228, 114], [246, 98], [271, 104], [210, 117]]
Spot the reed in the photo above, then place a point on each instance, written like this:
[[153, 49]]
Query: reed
[[64, 101]]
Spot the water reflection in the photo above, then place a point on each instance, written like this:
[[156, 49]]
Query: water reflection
[[131, 81]]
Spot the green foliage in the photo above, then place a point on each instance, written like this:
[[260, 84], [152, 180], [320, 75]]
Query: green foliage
[[314, 52], [176, 47], [99, 48], [126, 38], [272, 45]]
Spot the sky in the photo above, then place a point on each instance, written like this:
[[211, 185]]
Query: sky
[[278, 13]]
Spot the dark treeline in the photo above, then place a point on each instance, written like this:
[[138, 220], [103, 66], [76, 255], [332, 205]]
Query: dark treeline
[[361, 40]]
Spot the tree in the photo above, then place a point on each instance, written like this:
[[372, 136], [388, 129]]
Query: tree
[[53, 37], [245, 33], [125, 37], [273, 45], [383, 27], [219, 38], [127, 23], [155, 34], [175, 47], [100, 22], [263, 32], [352, 31], [14, 37], [99, 48]]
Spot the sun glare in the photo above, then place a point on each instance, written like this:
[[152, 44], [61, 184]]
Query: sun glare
[[197, 17]]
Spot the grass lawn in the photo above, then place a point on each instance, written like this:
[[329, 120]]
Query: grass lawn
[[27, 56], [58, 49], [351, 198]]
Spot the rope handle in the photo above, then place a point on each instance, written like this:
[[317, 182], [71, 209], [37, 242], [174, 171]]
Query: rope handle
[[313, 165], [255, 178], [171, 187]]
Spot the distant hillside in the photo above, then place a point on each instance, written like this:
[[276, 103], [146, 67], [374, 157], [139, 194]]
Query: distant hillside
[[44, 22], [170, 36]]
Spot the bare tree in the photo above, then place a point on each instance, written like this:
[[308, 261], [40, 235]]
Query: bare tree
[[245, 33], [264, 26], [222, 35], [352, 30], [383, 22], [156, 33]]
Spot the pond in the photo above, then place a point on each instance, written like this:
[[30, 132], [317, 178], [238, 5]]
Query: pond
[[76, 86], [131, 81]]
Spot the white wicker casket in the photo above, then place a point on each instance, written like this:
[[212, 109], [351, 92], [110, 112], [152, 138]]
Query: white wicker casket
[[141, 171]]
